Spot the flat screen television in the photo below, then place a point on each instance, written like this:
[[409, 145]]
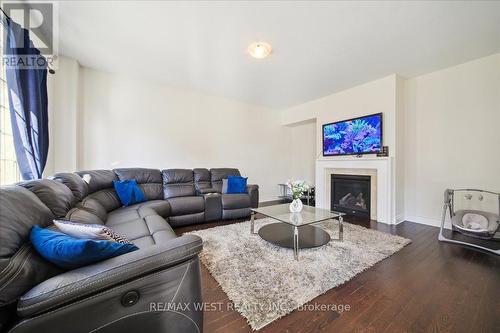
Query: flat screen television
[[355, 136]]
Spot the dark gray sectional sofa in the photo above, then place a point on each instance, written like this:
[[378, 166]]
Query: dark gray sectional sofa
[[129, 293]]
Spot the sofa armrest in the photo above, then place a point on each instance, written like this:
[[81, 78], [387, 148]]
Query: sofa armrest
[[202, 191], [253, 192], [88, 280]]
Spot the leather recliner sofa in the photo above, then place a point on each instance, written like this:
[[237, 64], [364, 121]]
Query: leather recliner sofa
[[154, 289]]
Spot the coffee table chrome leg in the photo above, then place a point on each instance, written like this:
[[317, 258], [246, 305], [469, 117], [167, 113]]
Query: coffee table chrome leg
[[296, 243], [252, 219], [341, 229]]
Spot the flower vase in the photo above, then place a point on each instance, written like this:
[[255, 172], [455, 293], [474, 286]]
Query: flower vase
[[296, 206]]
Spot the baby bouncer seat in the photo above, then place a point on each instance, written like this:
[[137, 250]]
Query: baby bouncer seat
[[474, 213]]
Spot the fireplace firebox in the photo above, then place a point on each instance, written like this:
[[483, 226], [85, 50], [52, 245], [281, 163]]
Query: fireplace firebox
[[350, 194]]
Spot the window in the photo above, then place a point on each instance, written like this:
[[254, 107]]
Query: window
[[9, 171]]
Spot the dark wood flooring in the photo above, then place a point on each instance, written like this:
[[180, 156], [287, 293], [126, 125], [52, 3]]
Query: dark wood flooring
[[426, 287]]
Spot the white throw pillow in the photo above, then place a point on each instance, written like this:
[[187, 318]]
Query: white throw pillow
[[224, 186], [89, 231]]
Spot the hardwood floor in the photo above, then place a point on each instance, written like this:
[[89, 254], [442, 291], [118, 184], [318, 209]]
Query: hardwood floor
[[426, 287]]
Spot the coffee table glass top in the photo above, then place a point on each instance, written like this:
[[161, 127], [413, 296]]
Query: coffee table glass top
[[308, 215]]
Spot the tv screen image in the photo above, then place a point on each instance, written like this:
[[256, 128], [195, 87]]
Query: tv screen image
[[361, 135]]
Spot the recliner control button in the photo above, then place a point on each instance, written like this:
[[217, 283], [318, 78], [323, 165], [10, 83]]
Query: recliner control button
[[130, 298]]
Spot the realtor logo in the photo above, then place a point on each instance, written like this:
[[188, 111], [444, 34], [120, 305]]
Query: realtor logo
[[40, 19]]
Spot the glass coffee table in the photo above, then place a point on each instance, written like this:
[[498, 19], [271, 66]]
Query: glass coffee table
[[296, 230]]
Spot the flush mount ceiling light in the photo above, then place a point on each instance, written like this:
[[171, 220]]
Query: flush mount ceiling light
[[259, 50]]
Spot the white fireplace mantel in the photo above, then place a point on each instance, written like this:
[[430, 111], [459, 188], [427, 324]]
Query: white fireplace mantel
[[382, 167]]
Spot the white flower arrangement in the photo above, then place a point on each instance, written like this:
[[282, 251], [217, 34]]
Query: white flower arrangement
[[297, 187]]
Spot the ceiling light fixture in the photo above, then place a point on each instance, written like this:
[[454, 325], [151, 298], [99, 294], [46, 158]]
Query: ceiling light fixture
[[259, 50]]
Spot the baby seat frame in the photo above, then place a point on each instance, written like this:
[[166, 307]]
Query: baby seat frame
[[449, 196]]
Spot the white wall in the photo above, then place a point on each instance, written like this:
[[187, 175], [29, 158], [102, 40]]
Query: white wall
[[127, 122], [452, 135], [442, 129], [372, 97], [102, 120], [302, 150], [63, 117]]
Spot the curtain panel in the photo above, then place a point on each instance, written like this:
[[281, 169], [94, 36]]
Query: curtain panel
[[27, 85]]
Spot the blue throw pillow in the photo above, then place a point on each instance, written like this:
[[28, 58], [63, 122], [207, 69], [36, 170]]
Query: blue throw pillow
[[68, 252], [129, 192], [236, 184]]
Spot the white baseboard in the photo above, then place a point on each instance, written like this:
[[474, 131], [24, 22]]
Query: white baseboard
[[427, 221], [400, 218], [268, 199]]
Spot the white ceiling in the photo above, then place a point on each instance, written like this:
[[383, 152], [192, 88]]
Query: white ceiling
[[318, 47]]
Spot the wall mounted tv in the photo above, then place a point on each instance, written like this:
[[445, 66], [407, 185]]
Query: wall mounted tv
[[355, 136]]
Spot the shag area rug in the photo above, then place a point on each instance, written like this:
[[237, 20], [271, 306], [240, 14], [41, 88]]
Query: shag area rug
[[265, 282]]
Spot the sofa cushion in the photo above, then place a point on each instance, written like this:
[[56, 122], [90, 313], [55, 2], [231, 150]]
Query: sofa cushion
[[149, 180], [152, 191], [160, 237], [217, 174], [122, 215], [99, 179], [20, 266], [186, 205], [93, 206], [84, 216], [231, 214], [75, 183], [141, 175], [20, 210], [107, 198], [160, 207], [140, 210], [131, 229], [178, 183], [201, 179], [55, 195], [235, 201], [142, 231], [189, 219]]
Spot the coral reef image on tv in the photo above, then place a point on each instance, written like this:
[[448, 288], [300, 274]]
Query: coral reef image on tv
[[355, 136]]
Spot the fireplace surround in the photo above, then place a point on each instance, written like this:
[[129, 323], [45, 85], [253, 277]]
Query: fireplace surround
[[383, 205]]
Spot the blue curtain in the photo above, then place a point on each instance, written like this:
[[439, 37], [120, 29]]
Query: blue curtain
[[27, 87]]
